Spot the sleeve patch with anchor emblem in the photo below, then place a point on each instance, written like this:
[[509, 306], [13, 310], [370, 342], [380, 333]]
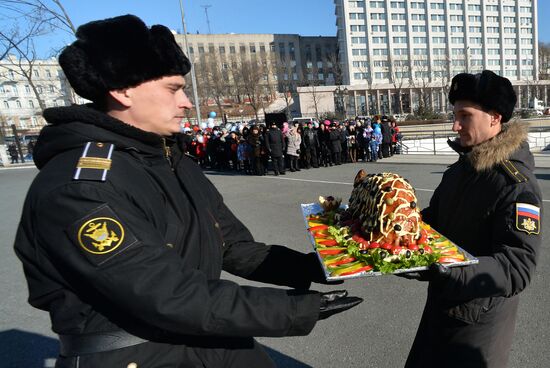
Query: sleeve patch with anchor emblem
[[528, 218], [101, 235]]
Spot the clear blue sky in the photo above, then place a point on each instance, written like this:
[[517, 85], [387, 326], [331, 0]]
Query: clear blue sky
[[304, 17]]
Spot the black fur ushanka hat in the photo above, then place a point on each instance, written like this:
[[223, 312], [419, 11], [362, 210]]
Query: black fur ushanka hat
[[487, 89], [120, 52]]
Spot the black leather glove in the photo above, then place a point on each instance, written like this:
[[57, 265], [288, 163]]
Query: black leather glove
[[316, 272], [435, 272], [335, 302]]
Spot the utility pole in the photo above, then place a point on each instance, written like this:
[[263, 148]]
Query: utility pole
[[193, 78], [207, 20]]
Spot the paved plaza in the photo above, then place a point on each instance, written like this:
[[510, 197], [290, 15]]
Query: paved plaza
[[378, 333]]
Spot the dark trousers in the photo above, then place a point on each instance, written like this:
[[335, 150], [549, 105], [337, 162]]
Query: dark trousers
[[311, 158], [337, 158], [222, 353], [386, 149], [278, 164]]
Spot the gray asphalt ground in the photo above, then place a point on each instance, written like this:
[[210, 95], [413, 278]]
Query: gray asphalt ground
[[378, 333]]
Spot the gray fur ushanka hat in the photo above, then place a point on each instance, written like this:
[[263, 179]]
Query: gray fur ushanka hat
[[120, 52], [487, 89]]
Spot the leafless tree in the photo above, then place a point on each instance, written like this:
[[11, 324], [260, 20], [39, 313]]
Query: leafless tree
[[250, 79], [400, 75], [544, 61], [29, 19]]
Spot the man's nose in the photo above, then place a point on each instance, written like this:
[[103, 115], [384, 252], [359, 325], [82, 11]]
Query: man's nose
[[184, 101], [456, 125]]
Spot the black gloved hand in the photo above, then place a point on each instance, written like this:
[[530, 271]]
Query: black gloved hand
[[335, 302], [316, 272], [435, 272]]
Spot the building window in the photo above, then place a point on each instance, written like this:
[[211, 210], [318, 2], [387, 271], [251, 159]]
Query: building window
[[6, 105], [419, 39], [262, 48], [31, 104], [400, 39], [17, 103], [398, 5], [422, 17], [48, 73], [417, 5], [356, 15], [419, 28], [201, 49], [191, 51], [27, 88], [399, 28], [398, 16], [459, 18], [358, 28], [52, 88], [474, 7], [438, 28], [221, 49], [420, 52], [252, 48], [437, 6], [232, 49], [379, 28], [379, 16]]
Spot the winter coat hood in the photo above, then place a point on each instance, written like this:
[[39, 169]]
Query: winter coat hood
[[71, 127]]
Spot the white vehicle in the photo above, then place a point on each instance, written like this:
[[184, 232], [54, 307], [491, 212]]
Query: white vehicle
[[304, 120]]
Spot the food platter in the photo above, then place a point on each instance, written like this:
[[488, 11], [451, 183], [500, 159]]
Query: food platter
[[334, 255]]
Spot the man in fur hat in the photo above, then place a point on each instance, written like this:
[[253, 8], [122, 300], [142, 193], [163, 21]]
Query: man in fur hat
[[489, 203], [122, 237]]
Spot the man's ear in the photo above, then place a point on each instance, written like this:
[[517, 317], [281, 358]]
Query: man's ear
[[496, 118], [122, 96]]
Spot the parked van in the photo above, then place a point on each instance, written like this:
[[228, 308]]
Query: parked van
[[304, 120]]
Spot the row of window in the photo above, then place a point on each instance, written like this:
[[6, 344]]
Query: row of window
[[30, 104], [440, 51], [437, 6], [13, 89], [454, 40], [441, 17], [435, 74], [437, 63], [36, 74], [454, 29]]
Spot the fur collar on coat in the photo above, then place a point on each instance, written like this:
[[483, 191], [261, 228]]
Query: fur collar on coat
[[494, 151]]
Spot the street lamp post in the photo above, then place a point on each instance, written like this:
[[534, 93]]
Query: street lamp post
[[340, 94], [193, 77]]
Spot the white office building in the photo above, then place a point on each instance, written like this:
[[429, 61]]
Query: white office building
[[25, 89], [399, 54]]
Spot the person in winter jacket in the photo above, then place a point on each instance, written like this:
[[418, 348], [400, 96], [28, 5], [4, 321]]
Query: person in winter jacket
[[310, 141], [293, 148], [276, 147], [386, 136], [123, 238], [489, 203], [335, 140], [375, 142]]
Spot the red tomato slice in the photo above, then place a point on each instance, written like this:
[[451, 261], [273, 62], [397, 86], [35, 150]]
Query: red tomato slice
[[328, 242], [326, 252], [374, 245]]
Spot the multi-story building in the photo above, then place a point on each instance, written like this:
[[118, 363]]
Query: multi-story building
[[399, 54], [282, 63], [25, 90]]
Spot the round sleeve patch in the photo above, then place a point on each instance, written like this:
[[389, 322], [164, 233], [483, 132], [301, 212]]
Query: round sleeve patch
[[100, 235]]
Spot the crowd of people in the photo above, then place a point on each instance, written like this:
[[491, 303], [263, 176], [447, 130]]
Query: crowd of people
[[257, 149]]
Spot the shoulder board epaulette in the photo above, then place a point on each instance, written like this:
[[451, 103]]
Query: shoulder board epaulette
[[513, 172], [95, 162]]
